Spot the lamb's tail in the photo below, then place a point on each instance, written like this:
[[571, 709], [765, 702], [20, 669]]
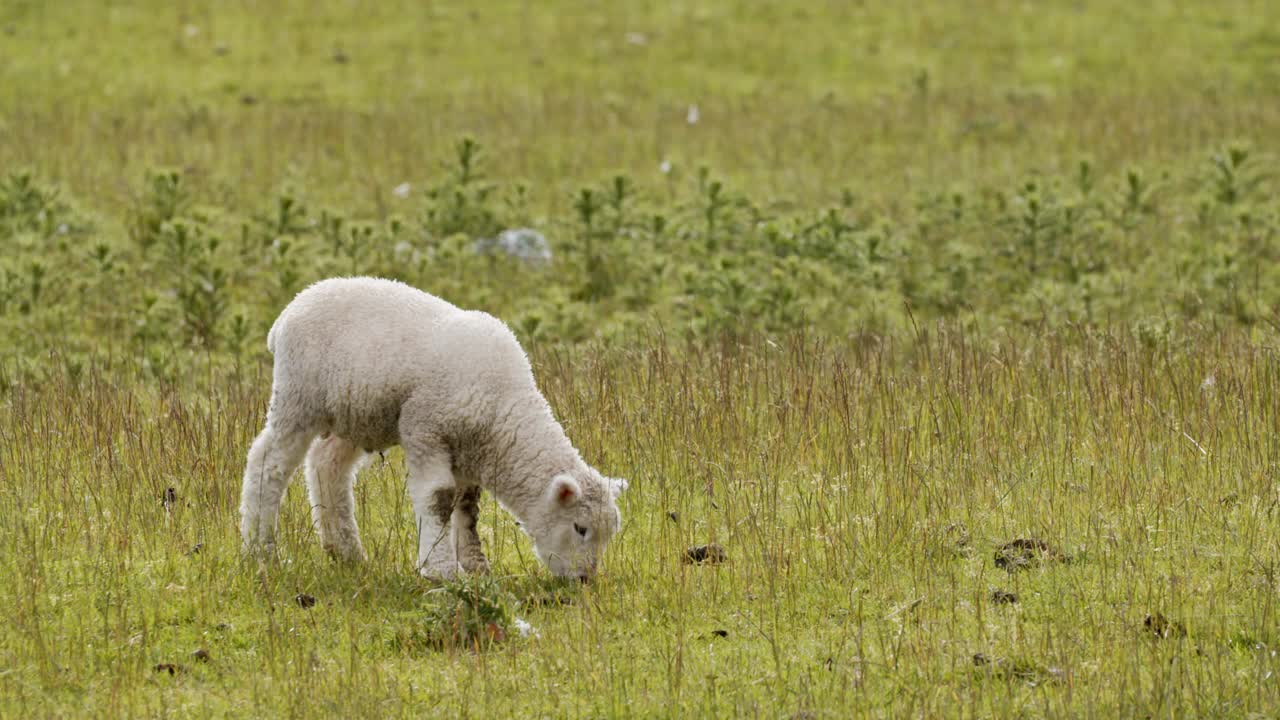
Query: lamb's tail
[[271, 334]]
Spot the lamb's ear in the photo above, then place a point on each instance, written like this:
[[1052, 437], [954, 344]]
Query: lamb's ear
[[565, 491], [618, 486]]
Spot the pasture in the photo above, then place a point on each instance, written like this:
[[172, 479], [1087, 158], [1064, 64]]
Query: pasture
[[956, 330]]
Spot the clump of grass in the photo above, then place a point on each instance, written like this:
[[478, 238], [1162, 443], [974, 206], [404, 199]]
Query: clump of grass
[[470, 612]]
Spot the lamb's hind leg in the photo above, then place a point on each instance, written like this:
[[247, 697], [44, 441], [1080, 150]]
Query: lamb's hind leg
[[432, 490], [273, 458], [332, 464], [467, 541]]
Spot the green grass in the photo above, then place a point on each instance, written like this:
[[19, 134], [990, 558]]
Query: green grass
[[951, 277], [860, 491], [794, 101]]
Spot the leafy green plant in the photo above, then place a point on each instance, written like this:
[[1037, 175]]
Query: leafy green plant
[[472, 612], [1234, 175], [711, 262], [164, 197], [463, 202]]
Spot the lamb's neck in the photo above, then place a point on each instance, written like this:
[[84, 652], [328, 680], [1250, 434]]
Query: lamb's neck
[[528, 448]]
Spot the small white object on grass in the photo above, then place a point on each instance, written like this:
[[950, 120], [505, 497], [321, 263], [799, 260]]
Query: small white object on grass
[[402, 190], [524, 244], [525, 629]]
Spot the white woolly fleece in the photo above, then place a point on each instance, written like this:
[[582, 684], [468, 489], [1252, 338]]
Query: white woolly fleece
[[375, 363]]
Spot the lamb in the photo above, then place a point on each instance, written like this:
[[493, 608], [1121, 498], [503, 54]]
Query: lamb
[[361, 364]]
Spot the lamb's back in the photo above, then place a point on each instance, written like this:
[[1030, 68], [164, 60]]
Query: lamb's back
[[354, 350], [358, 313]]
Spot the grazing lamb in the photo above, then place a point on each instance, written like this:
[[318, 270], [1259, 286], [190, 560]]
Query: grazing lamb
[[362, 364]]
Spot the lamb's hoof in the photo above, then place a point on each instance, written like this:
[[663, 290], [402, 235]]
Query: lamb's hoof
[[347, 553], [439, 573], [475, 564], [260, 552]]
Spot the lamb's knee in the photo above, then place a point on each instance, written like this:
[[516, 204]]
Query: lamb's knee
[[441, 505], [255, 472], [469, 506]]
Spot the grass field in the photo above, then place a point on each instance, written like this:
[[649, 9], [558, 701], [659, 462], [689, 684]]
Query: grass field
[[860, 495], [955, 327], [353, 98]]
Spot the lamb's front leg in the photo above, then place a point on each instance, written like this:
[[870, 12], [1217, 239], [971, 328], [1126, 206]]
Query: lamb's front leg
[[432, 490], [466, 539]]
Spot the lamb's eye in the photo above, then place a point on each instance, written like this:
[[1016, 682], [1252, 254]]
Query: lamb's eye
[[580, 530]]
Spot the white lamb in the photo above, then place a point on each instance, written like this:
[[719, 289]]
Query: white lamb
[[362, 364]]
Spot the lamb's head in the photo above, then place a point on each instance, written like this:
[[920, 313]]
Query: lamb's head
[[574, 520]]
